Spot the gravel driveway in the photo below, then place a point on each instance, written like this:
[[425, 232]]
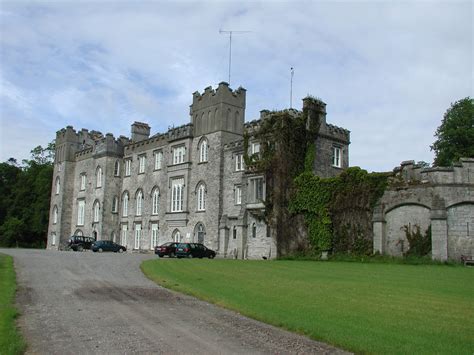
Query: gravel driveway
[[76, 303]]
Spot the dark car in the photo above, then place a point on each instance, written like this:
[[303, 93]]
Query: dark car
[[107, 245], [79, 242], [166, 249], [194, 250]]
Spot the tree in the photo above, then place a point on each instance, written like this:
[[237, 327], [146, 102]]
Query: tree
[[455, 135]]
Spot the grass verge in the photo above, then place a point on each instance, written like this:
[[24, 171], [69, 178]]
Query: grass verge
[[361, 307], [11, 341]]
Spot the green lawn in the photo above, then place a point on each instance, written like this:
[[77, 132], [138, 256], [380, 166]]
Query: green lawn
[[365, 308], [11, 341]]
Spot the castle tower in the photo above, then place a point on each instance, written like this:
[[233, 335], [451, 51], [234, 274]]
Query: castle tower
[[218, 110]]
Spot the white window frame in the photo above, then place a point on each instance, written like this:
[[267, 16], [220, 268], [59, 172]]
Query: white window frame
[[83, 182], [255, 148], [203, 151], [177, 195], [138, 236], [53, 238], [125, 200], [124, 234], [55, 214], [117, 168], [336, 157], [141, 164], [96, 212], [239, 162], [257, 189], [128, 167], [139, 203], [81, 207], [155, 202], [178, 154], [154, 235], [158, 159], [58, 185], [238, 194], [98, 176], [177, 236], [201, 197]]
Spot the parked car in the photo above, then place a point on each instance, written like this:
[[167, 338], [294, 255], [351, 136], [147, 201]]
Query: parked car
[[79, 242], [194, 250], [107, 245], [166, 249]]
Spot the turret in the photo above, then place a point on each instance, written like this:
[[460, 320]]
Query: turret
[[218, 110]]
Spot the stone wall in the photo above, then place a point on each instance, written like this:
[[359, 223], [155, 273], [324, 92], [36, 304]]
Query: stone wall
[[442, 198]]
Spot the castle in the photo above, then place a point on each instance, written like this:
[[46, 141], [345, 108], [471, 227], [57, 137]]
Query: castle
[[189, 184]]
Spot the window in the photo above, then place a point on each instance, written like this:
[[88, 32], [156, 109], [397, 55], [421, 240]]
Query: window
[[53, 238], [155, 201], [96, 211], [98, 175], [336, 157], [139, 203], [80, 212], [154, 235], [55, 215], [128, 167], [178, 154], [117, 168], [203, 150], [256, 189], [138, 236], [177, 236], [58, 186], [177, 189], [238, 194], [141, 164], [234, 232], [254, 230], [201, 197], [239, 162], [115, 204], [158, 160], [125, 205], [83, 182], [255, 148], [124, 234]]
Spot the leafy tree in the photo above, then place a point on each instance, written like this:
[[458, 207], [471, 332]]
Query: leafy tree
[[455, 135]]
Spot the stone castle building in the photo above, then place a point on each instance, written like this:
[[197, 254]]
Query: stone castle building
[[188, 184]]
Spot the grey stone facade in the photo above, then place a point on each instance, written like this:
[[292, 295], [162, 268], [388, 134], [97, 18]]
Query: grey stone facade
[[442, 198], [164, 187]]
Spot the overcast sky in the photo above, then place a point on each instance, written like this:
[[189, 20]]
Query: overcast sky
[[388, 70]]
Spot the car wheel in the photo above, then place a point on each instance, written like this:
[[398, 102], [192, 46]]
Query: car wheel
[[172, 255], [211, 256], [100, 250], [121, 250], [80, 248]]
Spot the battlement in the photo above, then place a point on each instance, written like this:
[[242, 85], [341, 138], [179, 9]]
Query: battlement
[[234, 145], [223, 94], [180, 132], [460, 173]]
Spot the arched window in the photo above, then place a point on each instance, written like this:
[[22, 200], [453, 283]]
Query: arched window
[[117, 168], [155, 201], [201, 197], [177, 236], [200, 232], [234, 233], [115, 204], [254, 230], [55, 215], [139, 202], [98, 176], [125, 204], [58, 185], [203, 150], [96, 211]]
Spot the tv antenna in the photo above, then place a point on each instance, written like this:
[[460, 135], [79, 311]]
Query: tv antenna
[[291, 86], [230, 45]]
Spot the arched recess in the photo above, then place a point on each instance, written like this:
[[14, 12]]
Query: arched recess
[[176, 236], [199, 233], [78, 232], [411, 216], [460, 221]]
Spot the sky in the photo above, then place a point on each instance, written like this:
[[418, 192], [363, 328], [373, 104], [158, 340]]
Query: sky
[[387, 70]]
